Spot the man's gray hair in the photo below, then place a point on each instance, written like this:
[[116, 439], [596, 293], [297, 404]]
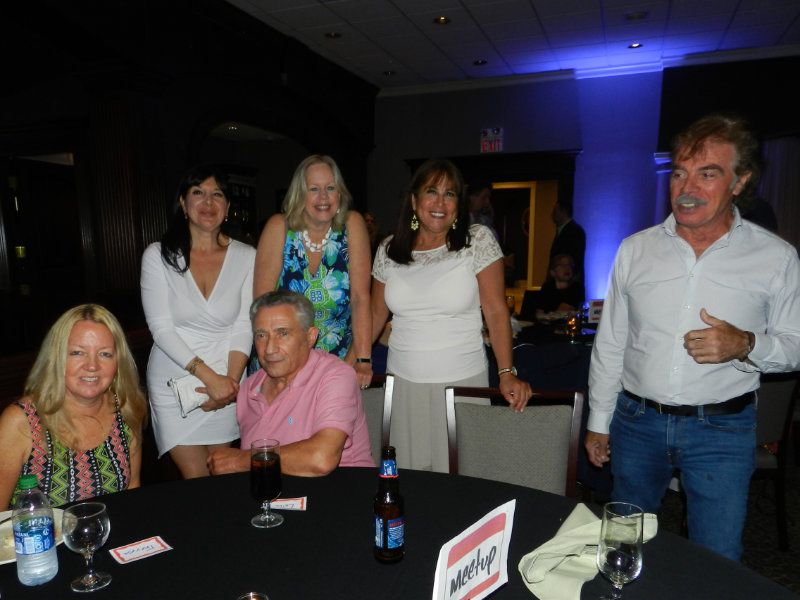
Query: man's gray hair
[[302, 306]]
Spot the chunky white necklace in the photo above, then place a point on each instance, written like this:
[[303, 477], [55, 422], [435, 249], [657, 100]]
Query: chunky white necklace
[[312, 247]]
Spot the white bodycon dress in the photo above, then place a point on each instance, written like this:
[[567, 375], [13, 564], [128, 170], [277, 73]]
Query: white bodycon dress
[[183, 325]]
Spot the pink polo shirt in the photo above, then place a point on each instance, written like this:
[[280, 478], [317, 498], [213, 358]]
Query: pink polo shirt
[[323, 395]]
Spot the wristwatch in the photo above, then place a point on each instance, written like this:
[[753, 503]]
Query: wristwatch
[[512, 370]]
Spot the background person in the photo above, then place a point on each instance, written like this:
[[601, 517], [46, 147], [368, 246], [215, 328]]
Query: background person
[[436, 275], [305, 398], [696, 308], [78, 427], [197, 286], [570, 237], [560, 292], [320, 249]]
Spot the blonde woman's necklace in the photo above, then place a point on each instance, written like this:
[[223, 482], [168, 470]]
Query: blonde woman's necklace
[[312, 246]]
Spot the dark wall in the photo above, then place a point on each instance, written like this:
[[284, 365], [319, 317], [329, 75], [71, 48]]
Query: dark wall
[[762, 91], [132, 90]]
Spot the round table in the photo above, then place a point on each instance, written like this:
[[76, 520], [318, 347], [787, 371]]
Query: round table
[[326, 551]]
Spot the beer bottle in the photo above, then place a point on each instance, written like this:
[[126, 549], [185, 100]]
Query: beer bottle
[[389, 511]]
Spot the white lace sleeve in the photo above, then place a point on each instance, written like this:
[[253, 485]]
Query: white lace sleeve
[[485, 249], [380, 263]]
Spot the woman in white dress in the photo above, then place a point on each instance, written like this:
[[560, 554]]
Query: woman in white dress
[[437, 274], [197, 286]]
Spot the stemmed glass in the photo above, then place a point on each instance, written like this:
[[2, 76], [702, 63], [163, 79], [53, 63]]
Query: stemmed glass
[[265, 480], [85, 529], [619, 550]]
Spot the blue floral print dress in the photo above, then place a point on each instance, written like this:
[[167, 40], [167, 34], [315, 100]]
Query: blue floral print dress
[[328, 289]]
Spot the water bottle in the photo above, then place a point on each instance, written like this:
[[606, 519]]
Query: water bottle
[[34, 534]]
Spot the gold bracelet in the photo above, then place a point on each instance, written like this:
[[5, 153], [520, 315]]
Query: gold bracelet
[[193, 364]]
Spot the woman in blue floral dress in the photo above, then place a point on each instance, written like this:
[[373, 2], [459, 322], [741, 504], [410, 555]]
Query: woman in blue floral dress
[[319, 248]]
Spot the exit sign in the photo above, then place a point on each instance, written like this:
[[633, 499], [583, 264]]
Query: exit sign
[[491, 139]]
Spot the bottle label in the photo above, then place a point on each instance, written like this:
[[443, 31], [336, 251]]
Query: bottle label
[[388, 468], [33, 536], [395, 529]]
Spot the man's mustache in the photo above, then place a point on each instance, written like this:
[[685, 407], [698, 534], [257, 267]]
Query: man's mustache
[[684, 199]]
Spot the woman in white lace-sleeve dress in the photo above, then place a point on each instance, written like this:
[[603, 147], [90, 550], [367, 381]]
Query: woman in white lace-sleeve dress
[[197, 286], [436, 275]]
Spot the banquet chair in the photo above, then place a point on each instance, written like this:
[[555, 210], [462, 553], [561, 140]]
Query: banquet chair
[[377, 400], [545, 438], [776, 401]]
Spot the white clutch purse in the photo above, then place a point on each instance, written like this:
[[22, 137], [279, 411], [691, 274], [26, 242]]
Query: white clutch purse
[[184, 389]]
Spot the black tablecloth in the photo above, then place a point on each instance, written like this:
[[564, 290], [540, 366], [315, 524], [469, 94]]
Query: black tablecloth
[[326, 552]]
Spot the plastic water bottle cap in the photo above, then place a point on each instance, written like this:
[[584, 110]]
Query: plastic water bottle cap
[[28, 482]]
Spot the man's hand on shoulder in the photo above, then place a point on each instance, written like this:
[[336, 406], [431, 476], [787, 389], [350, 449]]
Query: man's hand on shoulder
[[719, 343], [228, 460]]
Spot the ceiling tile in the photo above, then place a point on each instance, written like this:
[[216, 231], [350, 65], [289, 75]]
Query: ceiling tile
[[356, 11], [570, 22], [522, 44], [709, 40], [381, 28], [513, 29], [578, 37], [498, 12], [752, 37], [549, 8], [537, 67], [526, 58], [303, 18], [695, 24]]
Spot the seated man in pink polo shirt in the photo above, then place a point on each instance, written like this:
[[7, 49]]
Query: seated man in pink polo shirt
[[306, 399]]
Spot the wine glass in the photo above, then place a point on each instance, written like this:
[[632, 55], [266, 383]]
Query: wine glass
[[573, 326], [265, 480], [619, 550], [85, 528]]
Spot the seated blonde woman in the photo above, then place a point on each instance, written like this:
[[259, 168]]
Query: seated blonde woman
[[78, 427]]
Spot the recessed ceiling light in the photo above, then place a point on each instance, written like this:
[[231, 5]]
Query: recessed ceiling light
[[333, 35], [635, 45], [232, 127], [479, 62], [637, 15], [441, 20], [389, 72]]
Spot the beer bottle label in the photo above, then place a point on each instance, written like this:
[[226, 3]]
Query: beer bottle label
[[388, 468], [396, 532]]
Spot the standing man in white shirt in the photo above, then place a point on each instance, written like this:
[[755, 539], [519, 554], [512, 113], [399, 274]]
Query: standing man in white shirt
[[697, 307]]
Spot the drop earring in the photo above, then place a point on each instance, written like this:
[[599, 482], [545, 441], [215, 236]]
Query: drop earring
[[453, 226], [414, 222]]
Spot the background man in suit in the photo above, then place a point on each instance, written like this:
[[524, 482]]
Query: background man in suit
[[570, 237]]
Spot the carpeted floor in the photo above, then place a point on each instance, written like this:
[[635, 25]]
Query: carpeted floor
[[761, 551]]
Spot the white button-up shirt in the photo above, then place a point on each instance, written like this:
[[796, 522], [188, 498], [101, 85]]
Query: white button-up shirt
[[749, 278]]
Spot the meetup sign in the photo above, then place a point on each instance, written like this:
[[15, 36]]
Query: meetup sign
[[491, 139], [475, 563]]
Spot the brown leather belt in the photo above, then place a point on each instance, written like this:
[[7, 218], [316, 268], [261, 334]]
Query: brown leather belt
[[729, 407]]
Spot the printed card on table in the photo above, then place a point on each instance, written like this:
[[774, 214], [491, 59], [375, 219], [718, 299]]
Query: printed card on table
[[475, 562], [595, 310], [138, 550]]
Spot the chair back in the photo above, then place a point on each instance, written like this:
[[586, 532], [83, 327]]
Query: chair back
[[377, 400], [537, 448]]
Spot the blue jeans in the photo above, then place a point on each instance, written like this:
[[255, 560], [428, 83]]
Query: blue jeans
[[715, 455]]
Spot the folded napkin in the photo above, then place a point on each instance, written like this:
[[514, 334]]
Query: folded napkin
[[557, 569]]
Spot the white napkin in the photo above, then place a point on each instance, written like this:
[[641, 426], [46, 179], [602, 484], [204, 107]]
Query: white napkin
[[557, 569]]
